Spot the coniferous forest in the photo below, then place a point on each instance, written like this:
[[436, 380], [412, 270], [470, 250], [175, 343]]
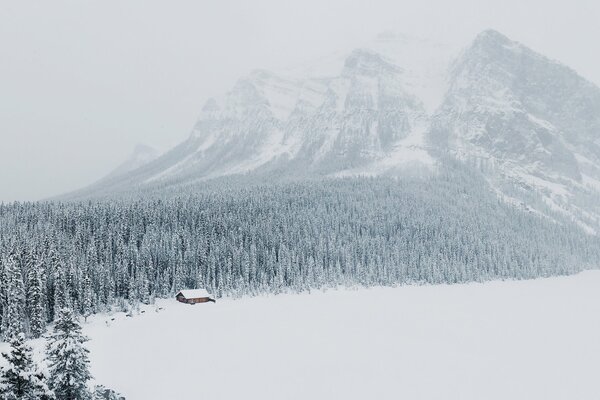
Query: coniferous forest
[[244, 240]]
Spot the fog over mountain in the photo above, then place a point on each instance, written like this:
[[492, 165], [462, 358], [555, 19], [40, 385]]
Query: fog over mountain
[[401, 105], [141, 155], [78, 94]]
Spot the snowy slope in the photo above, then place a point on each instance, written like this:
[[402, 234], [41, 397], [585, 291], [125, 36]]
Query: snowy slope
[[399, 105], [327, 123], [524, 120], [360, 112], [502, 340]]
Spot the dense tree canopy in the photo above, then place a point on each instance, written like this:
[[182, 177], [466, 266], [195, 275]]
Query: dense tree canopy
[[240, 240]]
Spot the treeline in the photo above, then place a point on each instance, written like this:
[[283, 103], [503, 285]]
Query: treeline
[[247, 240]]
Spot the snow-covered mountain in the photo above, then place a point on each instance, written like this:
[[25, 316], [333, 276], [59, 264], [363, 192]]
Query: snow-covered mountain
[[399, 105], [362, 112], [524, 120]]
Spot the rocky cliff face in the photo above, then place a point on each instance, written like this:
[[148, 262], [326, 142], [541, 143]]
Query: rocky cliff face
[[325, 124]]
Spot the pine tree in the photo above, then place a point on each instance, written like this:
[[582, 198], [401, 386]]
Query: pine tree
[[87, 301], [60, 289], [103, 393], [142, 287], [68, 359], [35, 301], [3, 298], [19, 379], [15, 297]]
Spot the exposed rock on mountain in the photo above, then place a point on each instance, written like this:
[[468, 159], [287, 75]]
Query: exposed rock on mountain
[[400, 105]]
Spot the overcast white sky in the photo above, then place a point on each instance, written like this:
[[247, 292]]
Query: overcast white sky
[[82, 82]]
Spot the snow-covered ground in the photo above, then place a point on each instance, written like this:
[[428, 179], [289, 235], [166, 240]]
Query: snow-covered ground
[[537, 339], [502, 340]]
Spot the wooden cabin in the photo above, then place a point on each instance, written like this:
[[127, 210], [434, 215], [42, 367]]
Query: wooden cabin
[[193, 296]]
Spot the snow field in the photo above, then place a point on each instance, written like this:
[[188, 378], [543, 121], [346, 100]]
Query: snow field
[[535, 339]]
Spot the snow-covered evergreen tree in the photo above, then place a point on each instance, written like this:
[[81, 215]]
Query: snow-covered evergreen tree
[[271, 239], [103, 393], [15, 297], [35, 301], [60, 289], [143, 287], [68, 359], [20, 378], [87, 301]]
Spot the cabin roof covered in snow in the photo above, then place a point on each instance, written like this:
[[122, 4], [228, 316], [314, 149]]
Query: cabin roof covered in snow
[[194, 293]]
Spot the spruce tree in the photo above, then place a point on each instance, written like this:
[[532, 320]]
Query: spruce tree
[[3, 298], [103, 393], [15, 298], [68, 359], [60, 289], [19, 378], [87, 301], [35, 301]]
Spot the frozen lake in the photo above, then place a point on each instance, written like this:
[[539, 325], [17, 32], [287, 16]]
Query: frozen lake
[[535, 339]]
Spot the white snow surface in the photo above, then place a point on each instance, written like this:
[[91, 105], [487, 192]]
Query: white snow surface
[[513, 340]]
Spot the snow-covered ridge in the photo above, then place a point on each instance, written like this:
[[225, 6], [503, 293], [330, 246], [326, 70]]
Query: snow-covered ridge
[[356, 118], [352, 113], [394, 105]]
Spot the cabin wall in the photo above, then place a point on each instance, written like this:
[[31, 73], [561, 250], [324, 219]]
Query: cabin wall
[[193, 301], [199, 300]]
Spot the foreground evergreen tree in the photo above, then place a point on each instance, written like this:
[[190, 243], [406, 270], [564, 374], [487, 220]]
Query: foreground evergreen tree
[[68, 359], [20, 379]]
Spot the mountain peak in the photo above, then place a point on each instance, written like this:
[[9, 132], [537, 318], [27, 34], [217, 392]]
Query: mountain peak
[[366, 62], [492, 41], [399, 104], [491, 35]]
